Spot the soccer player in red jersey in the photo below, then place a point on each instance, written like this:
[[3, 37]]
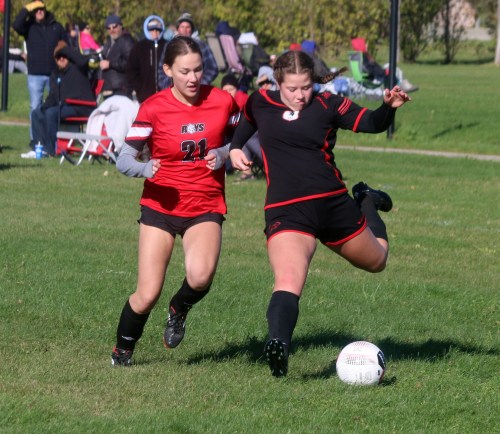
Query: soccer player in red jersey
[[306, 197], [185, 127]]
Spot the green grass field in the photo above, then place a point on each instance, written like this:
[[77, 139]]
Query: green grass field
[[68, 247]]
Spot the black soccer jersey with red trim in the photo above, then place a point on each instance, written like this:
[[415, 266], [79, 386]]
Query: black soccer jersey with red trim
[[180, 137], [297, 147]]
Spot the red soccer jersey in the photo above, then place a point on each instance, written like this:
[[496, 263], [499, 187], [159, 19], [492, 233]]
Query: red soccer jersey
[[180, 136]]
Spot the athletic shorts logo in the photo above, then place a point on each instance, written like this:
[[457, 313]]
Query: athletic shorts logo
[[290, 116], [274, 226], [192, 128]]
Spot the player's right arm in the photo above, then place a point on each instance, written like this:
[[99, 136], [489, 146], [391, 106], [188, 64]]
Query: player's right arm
[[137, 138]]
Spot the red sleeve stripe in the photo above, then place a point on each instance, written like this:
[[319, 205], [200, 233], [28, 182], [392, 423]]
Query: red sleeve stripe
[[345, 106], [355, 127]]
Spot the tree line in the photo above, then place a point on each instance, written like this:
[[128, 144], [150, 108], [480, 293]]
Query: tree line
[[277, 23]]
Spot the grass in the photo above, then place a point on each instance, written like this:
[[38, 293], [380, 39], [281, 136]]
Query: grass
[[68, 263]]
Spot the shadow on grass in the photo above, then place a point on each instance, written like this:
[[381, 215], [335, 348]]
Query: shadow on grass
[[429, 351], [9, 166], [478, 61], [457, 127]]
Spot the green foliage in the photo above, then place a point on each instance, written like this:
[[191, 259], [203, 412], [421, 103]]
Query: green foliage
[[416, 33], [276, 23]]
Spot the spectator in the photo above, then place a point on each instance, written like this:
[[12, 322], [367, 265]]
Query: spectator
[[17, 59], [87, 42], [320, 68], [41, 32], [230, 84], [186, 27], [142, 67], [377, 73], [72, 35], [265, 78], [69, 81], [115, 57]]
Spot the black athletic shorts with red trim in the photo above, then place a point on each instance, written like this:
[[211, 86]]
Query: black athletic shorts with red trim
[[333, 219], [175, 225]]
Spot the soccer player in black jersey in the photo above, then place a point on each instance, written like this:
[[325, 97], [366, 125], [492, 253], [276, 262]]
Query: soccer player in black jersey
[[306, 197]]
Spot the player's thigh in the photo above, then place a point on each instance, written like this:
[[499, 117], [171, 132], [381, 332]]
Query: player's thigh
[[290, 254], [364, 251], [155, 250], [202, 244]]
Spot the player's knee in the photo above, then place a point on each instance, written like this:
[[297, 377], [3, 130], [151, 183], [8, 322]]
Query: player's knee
[[199, 281], [377, 264], [144, 301]]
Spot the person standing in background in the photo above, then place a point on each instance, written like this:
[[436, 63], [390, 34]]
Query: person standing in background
[[41, 32], [142, 66], [115, 57]]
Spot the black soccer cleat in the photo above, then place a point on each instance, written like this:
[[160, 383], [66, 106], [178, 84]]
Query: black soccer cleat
[[175, 329], [121, 357], [381, 199], [276, 353]]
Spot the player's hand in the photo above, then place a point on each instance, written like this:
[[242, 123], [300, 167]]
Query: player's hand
[[395, 97], [156, 166], [239, 159], [30, 7], [211, 160]]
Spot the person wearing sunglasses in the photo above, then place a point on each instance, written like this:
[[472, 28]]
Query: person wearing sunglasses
[[142, 70], [115, 55], [41, 32]]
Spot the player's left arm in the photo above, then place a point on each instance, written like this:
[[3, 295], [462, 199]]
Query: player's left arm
[[217, 157], [376, 121]]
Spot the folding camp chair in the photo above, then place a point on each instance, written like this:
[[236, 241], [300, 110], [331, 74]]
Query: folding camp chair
[[105, 134], [214, 44], [231, 54], [358, 74], [87, 145]]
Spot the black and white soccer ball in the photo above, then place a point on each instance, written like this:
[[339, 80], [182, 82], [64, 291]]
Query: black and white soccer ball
[[361, 363]]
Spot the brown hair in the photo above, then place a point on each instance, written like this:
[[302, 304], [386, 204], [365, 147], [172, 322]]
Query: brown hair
[[293, 62], [298, 62], [180, 46]]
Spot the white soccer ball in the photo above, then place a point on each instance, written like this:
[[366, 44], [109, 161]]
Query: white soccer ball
[[361, 363]]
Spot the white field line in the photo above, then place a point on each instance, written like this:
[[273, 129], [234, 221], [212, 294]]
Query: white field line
[[423, 152]]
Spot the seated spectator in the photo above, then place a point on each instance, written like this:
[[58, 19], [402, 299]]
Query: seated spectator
[[17, 60], [265, 78], [87, 42], [320, 68], [230, 84], [69, 81], [223, 28], [376, 72]]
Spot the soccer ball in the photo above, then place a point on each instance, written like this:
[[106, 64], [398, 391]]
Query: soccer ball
[[361, 363]]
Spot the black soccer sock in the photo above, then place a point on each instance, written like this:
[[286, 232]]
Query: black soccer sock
[[186, 297], [375, 222], [282, 315], [130, 327]]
